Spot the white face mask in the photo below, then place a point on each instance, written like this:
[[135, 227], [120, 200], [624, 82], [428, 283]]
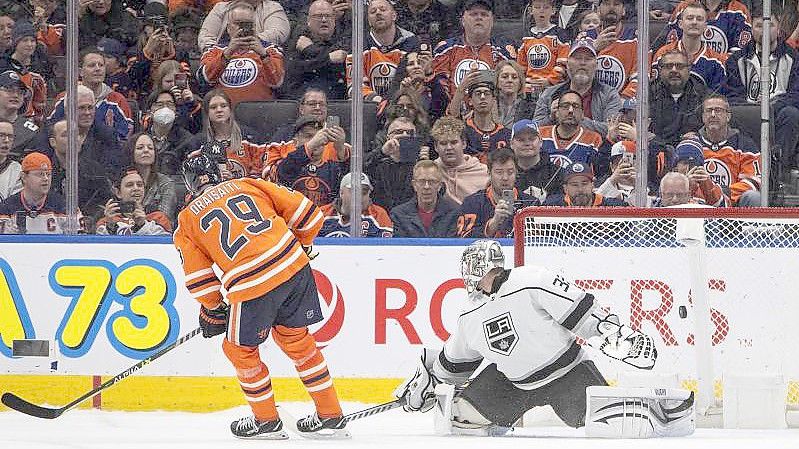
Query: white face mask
[[164, 116]]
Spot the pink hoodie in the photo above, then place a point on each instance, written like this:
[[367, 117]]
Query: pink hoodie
[[462, 181]]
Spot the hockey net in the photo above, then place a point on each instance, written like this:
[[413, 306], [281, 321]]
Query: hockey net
[[645, 264]]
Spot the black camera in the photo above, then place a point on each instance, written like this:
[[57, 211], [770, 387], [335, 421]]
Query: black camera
[[22, 222], [246, 29], [127, 207], [159, 22]]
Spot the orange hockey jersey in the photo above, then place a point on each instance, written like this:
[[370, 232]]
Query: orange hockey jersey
[[733, 164], [380, 62], [453, 59], [616, 63], [544, 55], [38, 103], [246, 161], [253, 230], [245, 77], [270, 155]]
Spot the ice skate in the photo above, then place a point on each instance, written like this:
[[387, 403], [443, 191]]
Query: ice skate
[[332, 428], [249, 428]]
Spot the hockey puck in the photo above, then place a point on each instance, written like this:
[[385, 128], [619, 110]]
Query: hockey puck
[[683, 311]]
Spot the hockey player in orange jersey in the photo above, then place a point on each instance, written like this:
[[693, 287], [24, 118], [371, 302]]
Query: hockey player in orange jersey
[[260, 236]]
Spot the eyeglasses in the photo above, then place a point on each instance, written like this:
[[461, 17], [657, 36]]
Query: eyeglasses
[[41, 174], [674, 65], [427, 182], [716, 111], [13, 89], [315, 104], [483, 93], [5, 136], [321, 16], [566, 106], [402, 132]]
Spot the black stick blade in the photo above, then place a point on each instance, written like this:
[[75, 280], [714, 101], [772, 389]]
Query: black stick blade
[[15, 402]]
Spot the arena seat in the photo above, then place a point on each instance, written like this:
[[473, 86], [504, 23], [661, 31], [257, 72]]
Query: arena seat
[[266, 116], [341, 109]]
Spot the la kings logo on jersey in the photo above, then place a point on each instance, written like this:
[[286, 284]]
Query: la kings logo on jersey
[[500, 334]]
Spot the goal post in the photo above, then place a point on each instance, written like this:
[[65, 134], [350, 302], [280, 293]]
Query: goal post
[[716, 287]]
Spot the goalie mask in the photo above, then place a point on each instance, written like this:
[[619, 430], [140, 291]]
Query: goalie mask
[[199, 171], [478, 259]]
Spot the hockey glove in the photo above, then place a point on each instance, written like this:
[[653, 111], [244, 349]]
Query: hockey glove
[[312, 253], [213, 321], [419, 389], [630, 346]]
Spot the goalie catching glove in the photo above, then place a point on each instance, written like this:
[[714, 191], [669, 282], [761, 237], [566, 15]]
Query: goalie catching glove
[[213, 321], [626, 344], [418, 390]]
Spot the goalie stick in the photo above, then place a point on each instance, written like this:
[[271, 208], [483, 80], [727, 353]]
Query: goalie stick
[[21, 405]]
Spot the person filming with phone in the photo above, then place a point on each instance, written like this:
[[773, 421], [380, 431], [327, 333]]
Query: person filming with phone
[[246, 67], [125, 214], [488, 213]]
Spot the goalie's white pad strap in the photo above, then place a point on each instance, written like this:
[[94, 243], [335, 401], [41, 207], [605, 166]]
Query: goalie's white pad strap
[[442, 412], [639, 412]]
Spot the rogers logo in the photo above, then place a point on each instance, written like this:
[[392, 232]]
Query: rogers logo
[[332, 309]]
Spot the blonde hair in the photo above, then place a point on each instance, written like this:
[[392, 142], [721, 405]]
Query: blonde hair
[[519, 71], [427, 163], [165, 68], [447, 127]]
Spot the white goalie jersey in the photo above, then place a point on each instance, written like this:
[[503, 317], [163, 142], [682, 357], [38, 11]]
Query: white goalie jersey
[[527, 326]]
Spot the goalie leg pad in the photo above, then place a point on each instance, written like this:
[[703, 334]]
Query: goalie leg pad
[[639, 412]]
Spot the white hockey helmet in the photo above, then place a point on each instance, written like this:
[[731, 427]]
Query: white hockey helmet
[[478, 259]]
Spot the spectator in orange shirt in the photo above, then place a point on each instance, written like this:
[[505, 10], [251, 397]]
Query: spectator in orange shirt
[[376, 222], [246, 67]]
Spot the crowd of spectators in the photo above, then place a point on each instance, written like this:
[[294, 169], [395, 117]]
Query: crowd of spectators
[[473, 120]]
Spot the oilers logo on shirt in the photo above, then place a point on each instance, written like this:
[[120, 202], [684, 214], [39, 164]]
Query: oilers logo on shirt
[[610, 71], [561, 160], [539, 56], [240, 72], [716, 39], [719, 172], [381, 75], [500, 334], [467, 65]]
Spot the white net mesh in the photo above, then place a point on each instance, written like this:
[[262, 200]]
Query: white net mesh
[[637, 262]]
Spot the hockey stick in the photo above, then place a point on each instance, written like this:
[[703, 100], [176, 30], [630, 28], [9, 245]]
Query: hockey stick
[[375, 410], [21, 405], [291, 422]]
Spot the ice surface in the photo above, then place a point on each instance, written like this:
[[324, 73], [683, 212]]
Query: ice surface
[[94, 429]]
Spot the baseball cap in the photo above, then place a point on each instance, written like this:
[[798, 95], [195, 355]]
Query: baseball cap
[[112, 47], [583, 43], [469, 4], [346, 181], [690, 148], [11, 78], [522, 126], [629, 104], [23, 29], [306, 120], [621, 147], [36, 161], [484, 79], [579, 169]]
